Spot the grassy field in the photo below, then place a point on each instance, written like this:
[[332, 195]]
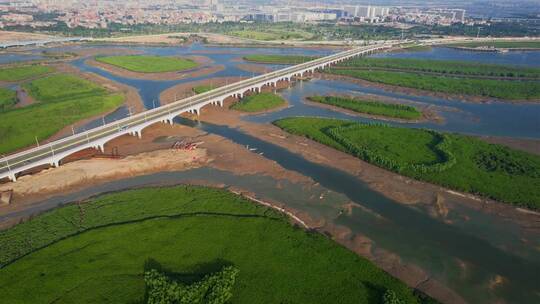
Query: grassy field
[[509, 90], [501, 44], [203, 88], [443, 67], [454, 161], [18, 127], [278, 59], [61, 101], [259, 102], [61, 87], [149, 64], [8, 98], [96, 252], [369, 106], [18, 73]]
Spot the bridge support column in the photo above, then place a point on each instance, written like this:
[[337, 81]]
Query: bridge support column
[[139, 133], [55, 163], [12, 177]]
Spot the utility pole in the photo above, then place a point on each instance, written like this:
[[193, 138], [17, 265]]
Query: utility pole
[[103, 119], [72, 130], [37, 142]]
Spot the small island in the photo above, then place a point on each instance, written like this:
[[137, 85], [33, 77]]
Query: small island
[[259, 103], [148, 63], [370, 107]]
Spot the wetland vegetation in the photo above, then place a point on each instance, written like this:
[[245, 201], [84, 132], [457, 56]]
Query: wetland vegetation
[[371, 107], [451, 77], [149, 64], [259, 102], [454, 161], [8, 98], [501, 89], [203, 88], [442, 67], [192, 234], [61, 100], [18, 73]]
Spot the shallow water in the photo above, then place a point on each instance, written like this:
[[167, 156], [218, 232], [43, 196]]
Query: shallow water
[[528, 58], [13, 57], [520, 120]]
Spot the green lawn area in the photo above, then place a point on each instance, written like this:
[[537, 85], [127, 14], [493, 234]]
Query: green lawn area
[[369, 106], [19, 126], [259, 102], [443, 67], [203, 88], [149, 64], [454, 161], [18, 73], [500, 44], [509, 90], [8, 98], [96, 252], [278, 59], [61, 101]]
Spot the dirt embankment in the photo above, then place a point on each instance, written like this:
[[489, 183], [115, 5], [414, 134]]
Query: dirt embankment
[[206, 67], [417, 92]]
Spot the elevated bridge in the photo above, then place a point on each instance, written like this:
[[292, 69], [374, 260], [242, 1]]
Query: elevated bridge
[[51, 154]]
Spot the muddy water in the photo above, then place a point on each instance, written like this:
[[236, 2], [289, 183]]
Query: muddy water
[[520, 120], [494, 119], [467, 257]]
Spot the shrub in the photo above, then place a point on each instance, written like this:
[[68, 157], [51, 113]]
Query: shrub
[[212, 289]]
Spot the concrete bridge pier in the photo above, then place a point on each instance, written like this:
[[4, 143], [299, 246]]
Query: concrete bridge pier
[[12, 177], [55, 163]]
